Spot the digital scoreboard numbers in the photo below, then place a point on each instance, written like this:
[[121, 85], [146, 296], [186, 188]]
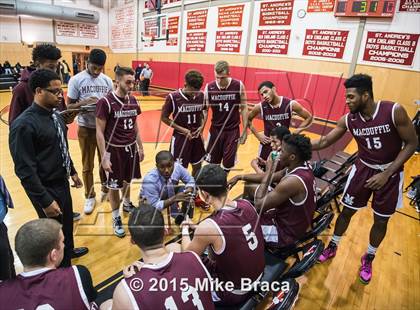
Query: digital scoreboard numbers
[[365, 8]]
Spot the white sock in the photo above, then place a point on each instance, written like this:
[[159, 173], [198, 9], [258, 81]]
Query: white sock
[[126, 201], [115, 213], [371, 250], [335, 239]]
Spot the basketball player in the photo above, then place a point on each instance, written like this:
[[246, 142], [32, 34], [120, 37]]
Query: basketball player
[[386, 139], [287, 211], [253, 180], [86, 88], [275, 111], [44, 56], [119, 142], [188, 112], [231, 234], [227, 99], [276, 137], [146, 227], [42, 285]]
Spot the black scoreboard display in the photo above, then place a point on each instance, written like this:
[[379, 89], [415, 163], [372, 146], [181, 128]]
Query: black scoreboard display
[[365, 8]]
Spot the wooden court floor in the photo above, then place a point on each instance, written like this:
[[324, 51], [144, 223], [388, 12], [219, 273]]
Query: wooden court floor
[[334, 285]]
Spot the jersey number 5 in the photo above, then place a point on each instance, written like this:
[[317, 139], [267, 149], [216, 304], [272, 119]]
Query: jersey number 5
[[250, 236]]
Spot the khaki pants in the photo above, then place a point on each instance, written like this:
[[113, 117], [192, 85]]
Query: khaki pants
[[88, 146]]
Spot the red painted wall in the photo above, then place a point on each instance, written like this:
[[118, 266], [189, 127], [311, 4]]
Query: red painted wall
[[320, 94]]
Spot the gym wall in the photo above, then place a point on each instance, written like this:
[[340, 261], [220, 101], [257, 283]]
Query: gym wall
[[314, 80]]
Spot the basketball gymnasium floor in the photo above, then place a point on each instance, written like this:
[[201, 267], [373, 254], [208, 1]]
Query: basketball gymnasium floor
[[334, 285]]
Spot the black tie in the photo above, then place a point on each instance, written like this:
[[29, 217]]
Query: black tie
[[63, 145]]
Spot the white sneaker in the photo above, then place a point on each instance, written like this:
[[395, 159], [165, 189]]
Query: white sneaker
[[89, 205], [118, 227], [412, 193], [104, 197]]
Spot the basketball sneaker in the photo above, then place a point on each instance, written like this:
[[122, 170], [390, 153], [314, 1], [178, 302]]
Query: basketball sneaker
[[89, 205], [118, 227], [201, 204], [365, 273], [129, 207], [76, 216], [412, 193], [329, 252]]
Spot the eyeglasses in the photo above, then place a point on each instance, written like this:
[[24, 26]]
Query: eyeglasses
[[56, 92]]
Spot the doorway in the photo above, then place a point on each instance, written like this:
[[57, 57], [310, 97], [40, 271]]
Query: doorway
[[79, 62]]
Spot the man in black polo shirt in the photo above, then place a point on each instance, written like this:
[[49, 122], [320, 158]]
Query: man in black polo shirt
[[39, 148]]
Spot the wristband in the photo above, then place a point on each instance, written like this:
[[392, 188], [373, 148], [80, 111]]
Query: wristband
[[185, 231]]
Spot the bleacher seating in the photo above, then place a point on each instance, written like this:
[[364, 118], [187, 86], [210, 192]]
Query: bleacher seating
[[7, 81]]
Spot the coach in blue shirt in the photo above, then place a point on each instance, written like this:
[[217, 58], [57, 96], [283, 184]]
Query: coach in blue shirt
[[7, 268], [161, 185]]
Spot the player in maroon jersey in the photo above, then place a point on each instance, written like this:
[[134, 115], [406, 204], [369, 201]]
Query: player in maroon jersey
[[287, 211], [189, 114], [119, 142], [227, 99], [253, 180], [231, 234], [164, 280], [42, 285], [385, 139], [275, 111]]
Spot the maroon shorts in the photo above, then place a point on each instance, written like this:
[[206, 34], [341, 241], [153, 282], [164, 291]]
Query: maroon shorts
[[187, 151], [220, 297], [385, 201], [125, 166], [264, 150], [222, 147]]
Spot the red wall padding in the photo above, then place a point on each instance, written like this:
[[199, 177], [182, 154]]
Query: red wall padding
[[320, 94]]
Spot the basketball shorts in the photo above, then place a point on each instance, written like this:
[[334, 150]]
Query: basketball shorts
[[222, 147], [187, 151], [125, 165], [221, 297], [385, 201]]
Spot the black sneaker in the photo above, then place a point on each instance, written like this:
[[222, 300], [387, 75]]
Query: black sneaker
[[128, 207], [76, 216], [78, 252]]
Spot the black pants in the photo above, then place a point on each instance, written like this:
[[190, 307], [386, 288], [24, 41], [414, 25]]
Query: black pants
[[145, 87], [7, 268], [60, 191]]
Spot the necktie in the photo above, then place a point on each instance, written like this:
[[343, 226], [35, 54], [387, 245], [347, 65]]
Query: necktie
[[63, 145]]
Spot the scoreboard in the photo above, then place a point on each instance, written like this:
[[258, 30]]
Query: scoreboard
[[365, 8]]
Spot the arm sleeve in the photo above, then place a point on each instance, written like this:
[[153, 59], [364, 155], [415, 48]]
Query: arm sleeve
[[151, 192], [168, 106], [87, 284], [22, 148], [72, 89], [185, 177], [16, 104]]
